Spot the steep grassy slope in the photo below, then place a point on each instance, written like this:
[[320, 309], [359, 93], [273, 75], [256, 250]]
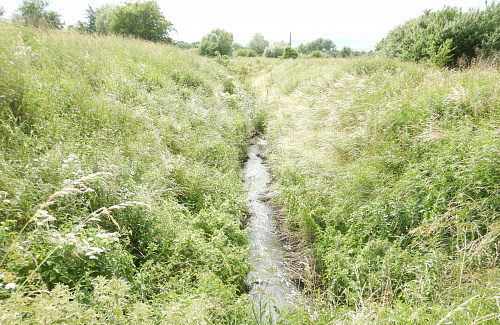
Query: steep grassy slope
[[120, 182], [390, 172]]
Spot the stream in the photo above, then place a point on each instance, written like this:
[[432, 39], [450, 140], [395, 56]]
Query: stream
[[270, 286]]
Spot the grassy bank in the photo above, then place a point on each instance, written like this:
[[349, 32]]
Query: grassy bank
[[120, 182], [390, 173]]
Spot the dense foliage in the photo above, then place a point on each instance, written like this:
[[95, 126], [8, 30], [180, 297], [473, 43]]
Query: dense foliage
[[275, 50], [290, 53], [390, 173], [320, 44], [34, 12], [120, 182], [444, 36], [141, 19], [258, 44], [245, 52], [98, 20], [218, 41]]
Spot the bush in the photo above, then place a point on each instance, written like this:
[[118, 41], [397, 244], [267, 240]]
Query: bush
[[241, 52], [444, 36], [316, 54], [290, 53]]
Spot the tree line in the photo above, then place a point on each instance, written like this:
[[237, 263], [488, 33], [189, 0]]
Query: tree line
[[144, 20], [443, 37]]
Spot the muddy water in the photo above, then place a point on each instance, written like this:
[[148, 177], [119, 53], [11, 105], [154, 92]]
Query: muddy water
[[268, 280]]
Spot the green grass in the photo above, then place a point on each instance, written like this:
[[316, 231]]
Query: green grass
[[122, 200], [389, 171], [120, 182]]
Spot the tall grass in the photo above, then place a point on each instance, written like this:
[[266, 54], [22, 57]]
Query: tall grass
[[389, 171], [158, 238]]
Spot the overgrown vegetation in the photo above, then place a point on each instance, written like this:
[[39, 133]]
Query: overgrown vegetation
[[120, 182], [389, 172], [445, 36]]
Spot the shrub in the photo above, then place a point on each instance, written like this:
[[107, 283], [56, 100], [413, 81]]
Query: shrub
[[444, 36], [290, 53], [241, 52], [316, 54]]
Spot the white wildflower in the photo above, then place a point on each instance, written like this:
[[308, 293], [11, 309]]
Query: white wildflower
[[10, 286]]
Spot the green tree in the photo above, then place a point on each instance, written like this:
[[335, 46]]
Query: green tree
[[346, 52], [98, 20], [258, 44], [320, 44], [34, 12], [275, 50], [141, 19], [217, 41], [290, 53]]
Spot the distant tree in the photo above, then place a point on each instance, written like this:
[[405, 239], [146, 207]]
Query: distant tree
[[290, 53], [103, 18], [34, 12], [187, 46], [89, 26], [346, 52], [218, 41], [237, 46], [141, 19], [258, 44], [275, 50], [320, 44], [98, 20], [2, 11]]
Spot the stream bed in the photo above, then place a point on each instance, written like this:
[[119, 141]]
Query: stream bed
[[268, 280]]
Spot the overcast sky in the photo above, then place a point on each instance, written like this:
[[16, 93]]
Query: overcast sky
[[359, 24]]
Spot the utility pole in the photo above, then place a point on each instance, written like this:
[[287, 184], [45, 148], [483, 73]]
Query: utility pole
[[290, 39]]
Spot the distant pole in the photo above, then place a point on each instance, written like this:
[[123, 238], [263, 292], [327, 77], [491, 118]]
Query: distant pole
[[290, 39]]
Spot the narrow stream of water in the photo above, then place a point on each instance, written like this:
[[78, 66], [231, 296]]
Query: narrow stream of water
[[268, 280]]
